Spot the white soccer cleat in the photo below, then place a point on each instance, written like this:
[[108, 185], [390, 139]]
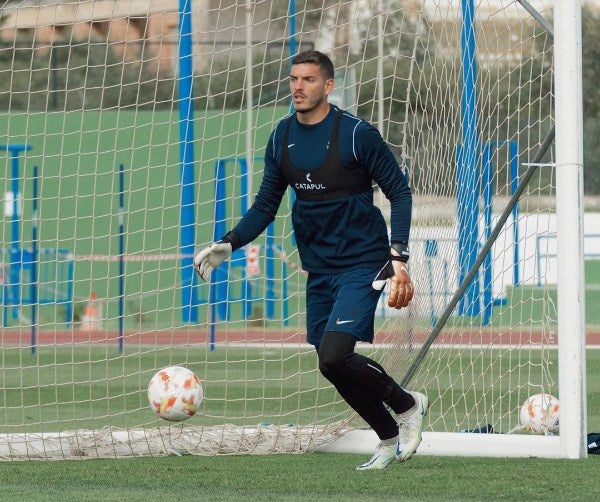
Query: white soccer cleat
[[384, 455], [409, 428]]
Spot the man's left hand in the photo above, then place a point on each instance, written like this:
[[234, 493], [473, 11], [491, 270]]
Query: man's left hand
[[401, 287]]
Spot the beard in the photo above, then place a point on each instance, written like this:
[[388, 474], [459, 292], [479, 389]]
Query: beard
[[308, 105]]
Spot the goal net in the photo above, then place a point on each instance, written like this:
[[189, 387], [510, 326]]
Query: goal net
[[133, 134]]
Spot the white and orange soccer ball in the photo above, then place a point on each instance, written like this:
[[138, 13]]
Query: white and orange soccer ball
[[539, 414], [175, 393]]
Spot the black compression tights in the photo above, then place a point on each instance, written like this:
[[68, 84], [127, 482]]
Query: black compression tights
[[362, 382]]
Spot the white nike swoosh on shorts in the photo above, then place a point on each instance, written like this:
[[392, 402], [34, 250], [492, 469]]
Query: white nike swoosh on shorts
[[343, 322]]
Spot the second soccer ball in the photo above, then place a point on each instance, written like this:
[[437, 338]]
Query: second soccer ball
[[539, 414]]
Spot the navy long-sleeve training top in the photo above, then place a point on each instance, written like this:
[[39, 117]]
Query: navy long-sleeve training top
[[336, 225]]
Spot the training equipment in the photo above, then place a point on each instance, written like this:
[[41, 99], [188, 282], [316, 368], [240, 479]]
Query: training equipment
[[539, 414], [211, 257], [148, 122], [175, 393]]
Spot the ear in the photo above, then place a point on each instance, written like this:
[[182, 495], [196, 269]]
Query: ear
[[329, 84]]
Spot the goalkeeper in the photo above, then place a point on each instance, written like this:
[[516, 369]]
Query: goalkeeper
[[331, 158]]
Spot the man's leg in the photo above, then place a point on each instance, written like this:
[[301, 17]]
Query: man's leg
[[349, 299], [356, 371], [365, 386]]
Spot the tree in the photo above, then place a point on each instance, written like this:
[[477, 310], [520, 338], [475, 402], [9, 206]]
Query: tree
[[591, 100], [77, 76]]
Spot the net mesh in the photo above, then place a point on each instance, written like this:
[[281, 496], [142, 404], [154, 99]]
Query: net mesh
[[95, 116]]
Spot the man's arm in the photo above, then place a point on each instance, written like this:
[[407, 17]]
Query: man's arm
[[393, 182], [266, 203], [253, 223]]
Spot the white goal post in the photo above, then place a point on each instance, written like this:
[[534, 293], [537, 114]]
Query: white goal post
[[569, 193], [133, 132]]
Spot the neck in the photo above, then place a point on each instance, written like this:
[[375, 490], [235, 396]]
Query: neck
[[314, 116]]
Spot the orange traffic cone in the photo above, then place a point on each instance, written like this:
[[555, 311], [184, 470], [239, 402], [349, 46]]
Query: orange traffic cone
[[89, 318]]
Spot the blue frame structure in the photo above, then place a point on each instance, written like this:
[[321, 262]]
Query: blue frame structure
[[189, 298], [474, 179]]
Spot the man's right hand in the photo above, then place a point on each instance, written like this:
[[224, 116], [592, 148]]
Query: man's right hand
[[211, 257]]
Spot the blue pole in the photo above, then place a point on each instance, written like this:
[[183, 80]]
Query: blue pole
[[431, 251], [468, 163], [121, 255], [486, 183], [270, 273], [292, 17], [246, 285], [212, 321], [189, 298], [16, 254], [34, 261], [219, 276], [284, 294]]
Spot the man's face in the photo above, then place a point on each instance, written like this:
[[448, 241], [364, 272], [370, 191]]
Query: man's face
[[308, 87]]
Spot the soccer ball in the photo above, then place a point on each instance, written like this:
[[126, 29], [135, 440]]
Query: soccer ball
[[539, 414], [175, 393]]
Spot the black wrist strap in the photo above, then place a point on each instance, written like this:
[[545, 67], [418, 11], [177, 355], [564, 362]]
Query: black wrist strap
[[402, 249], [232, 239]]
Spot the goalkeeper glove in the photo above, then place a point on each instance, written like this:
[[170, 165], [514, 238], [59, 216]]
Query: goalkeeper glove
[[398, 253], [401, 287], [212, 256]]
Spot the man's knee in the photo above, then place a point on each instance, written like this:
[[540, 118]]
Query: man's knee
[[331, 363], [334, 351]]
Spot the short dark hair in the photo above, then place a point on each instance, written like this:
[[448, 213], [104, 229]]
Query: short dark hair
[[318, 58]]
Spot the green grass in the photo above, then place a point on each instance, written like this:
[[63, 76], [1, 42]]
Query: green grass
[[66, 388], [75, 387], [78, 155], [82, 387], [310, 477], [240, 381], [537, 305]]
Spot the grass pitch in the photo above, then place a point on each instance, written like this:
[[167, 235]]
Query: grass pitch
[[278, 477], [310, 477]]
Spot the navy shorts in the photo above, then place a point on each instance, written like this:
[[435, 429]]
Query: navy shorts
[[341, 302]]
